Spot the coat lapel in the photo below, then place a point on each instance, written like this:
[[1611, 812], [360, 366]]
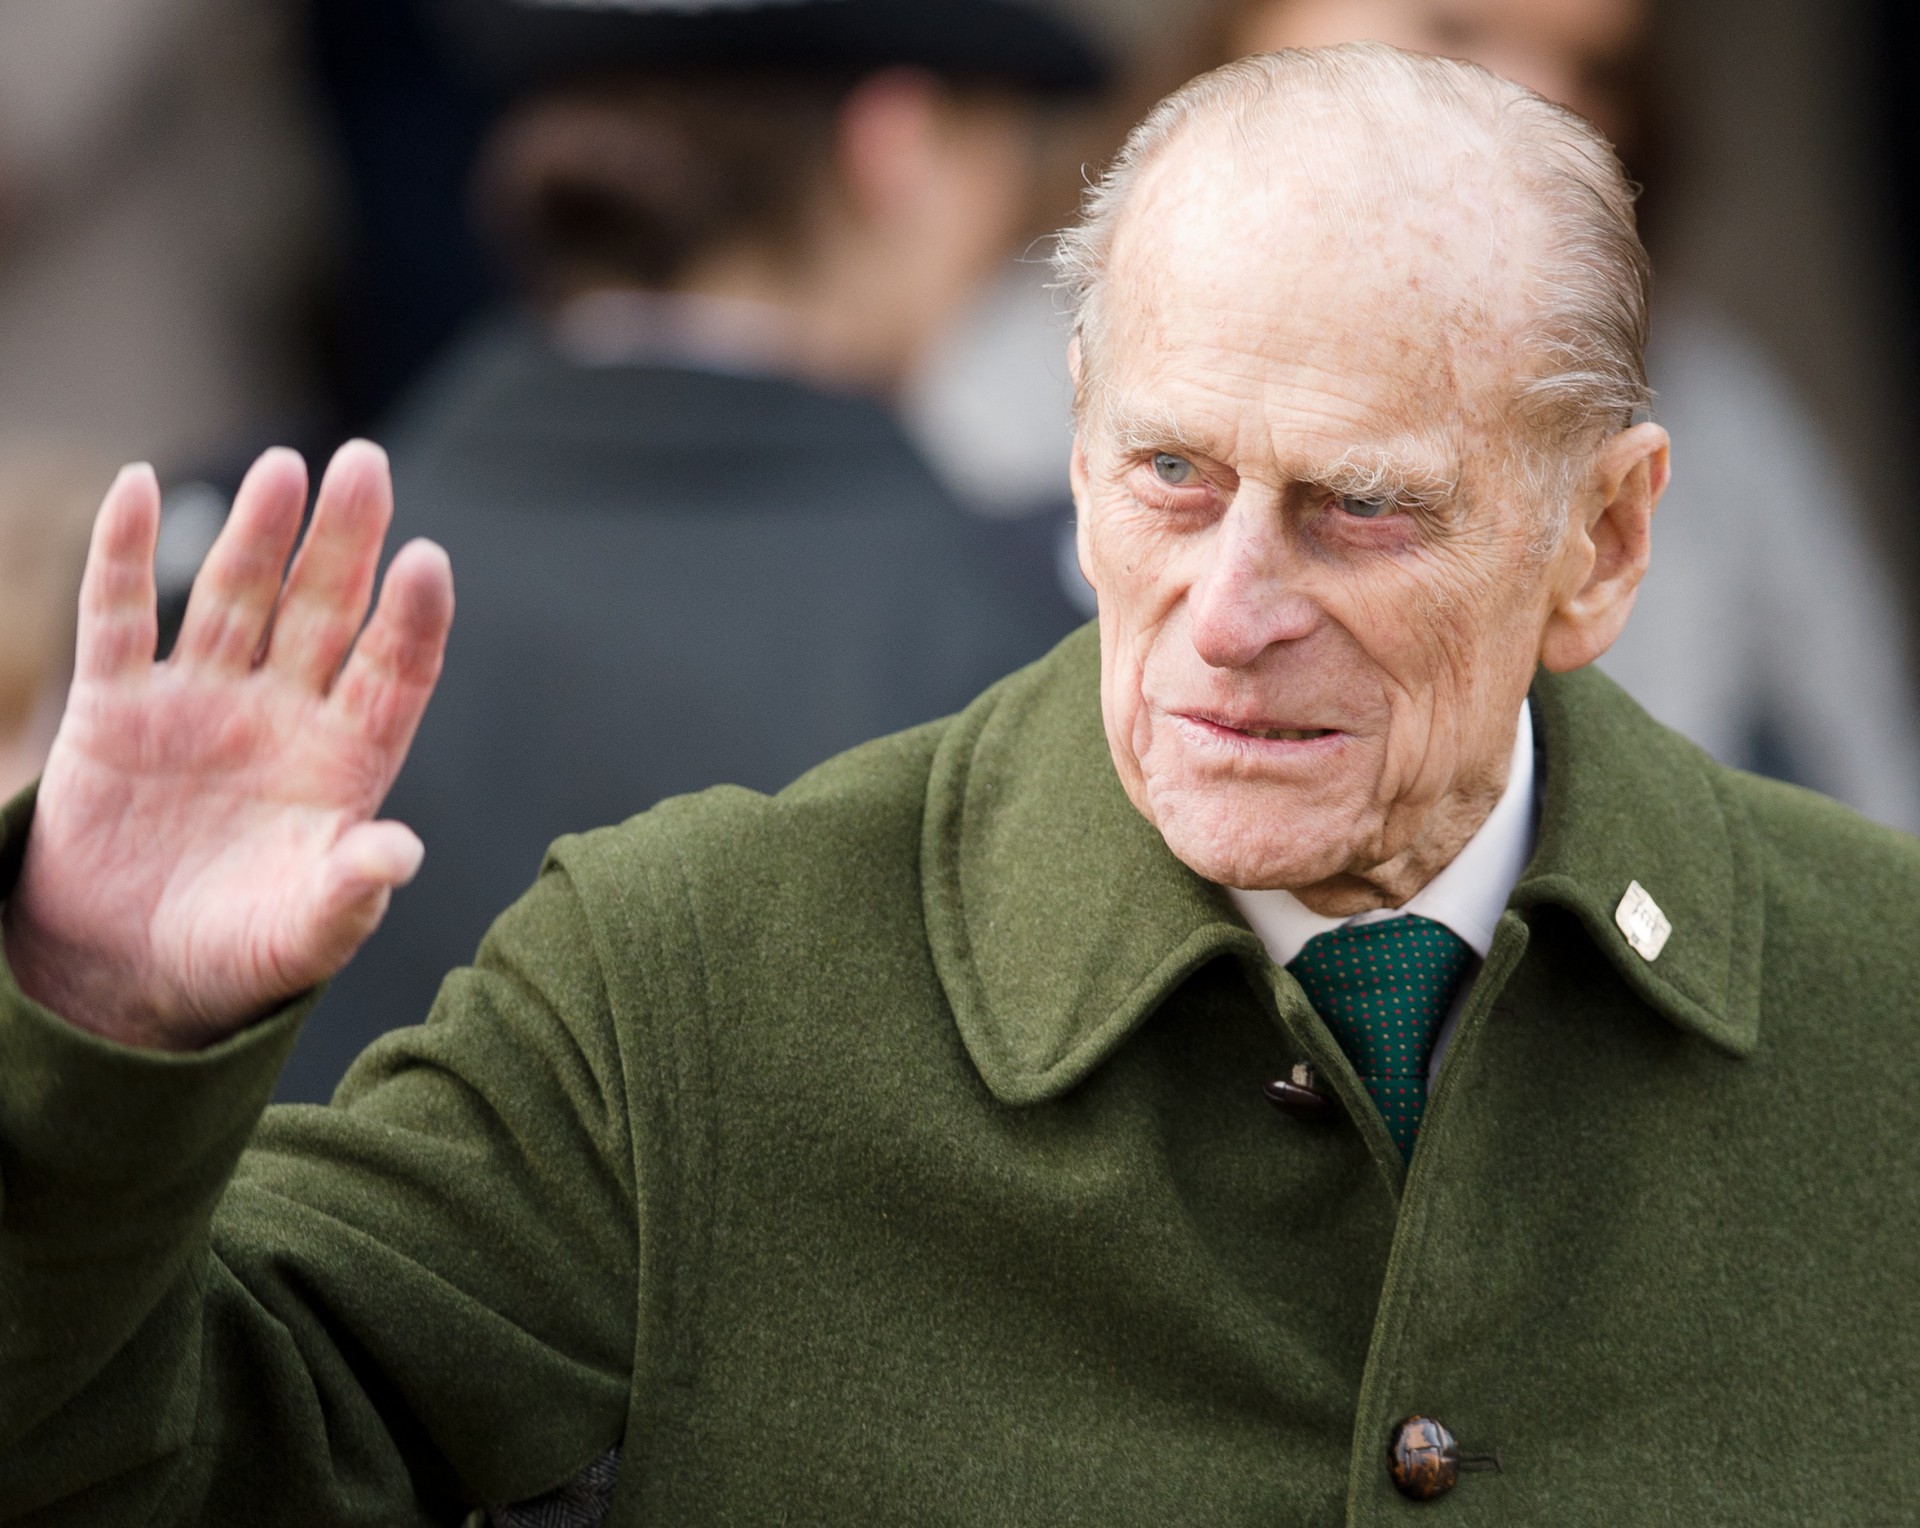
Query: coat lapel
[[1624, 800], [1058, 917]]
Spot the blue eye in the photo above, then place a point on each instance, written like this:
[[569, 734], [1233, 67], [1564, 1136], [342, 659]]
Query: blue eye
[[1365, 509], [1174, 471]]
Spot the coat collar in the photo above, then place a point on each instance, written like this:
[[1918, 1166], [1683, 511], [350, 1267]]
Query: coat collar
[[1624, 799], [1059, 920]]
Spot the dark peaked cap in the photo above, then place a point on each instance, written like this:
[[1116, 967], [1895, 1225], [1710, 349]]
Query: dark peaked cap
[[526, 44]]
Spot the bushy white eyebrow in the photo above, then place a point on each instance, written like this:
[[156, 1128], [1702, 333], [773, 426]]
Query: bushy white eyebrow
[[1371, 472], [1155, 428]]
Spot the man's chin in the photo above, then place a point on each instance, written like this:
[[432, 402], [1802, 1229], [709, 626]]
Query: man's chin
[[1256, 845]]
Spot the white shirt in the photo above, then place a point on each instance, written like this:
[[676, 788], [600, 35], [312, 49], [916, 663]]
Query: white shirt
[[1467, 897]]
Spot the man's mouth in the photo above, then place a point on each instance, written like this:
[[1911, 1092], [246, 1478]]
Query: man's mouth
[[1285, 734], [1246, 727]]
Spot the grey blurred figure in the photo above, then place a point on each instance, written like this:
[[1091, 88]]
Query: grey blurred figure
[[691, 541], [162, 222]]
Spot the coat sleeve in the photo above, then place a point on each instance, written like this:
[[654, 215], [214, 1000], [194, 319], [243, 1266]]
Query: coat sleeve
[[416, 1301]]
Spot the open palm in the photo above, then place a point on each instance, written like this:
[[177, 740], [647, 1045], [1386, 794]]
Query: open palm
[[205, 844]]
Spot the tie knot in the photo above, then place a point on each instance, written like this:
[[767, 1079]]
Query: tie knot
[[1384, 989]]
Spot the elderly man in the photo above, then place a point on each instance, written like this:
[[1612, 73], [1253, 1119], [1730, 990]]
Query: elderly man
[[902, 1148]]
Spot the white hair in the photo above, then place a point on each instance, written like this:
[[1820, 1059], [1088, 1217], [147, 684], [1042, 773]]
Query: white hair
[[1584, 334]]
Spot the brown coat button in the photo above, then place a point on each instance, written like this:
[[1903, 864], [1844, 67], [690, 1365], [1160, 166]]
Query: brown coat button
[[1423, 1459], [1298, 1093]]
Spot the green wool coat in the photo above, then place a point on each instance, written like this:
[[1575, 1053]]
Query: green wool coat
[[894, 1151]]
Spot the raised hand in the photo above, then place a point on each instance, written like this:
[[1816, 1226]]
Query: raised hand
[[205, 844]]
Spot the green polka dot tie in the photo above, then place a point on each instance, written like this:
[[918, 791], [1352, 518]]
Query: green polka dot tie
[[1384, 989]]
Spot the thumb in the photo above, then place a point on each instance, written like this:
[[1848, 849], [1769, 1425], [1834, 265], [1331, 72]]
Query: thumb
[[357, 882]]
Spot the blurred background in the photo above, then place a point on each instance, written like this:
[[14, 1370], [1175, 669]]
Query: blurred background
[[231, 223]]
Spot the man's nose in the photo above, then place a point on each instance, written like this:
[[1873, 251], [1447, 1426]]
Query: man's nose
[[1250, 594]]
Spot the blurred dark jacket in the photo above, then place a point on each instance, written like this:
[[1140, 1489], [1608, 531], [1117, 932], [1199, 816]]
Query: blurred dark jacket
[[667, 578]]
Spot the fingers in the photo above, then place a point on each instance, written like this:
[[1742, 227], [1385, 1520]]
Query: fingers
[[234, 596], [390, 677], [331, 582], [119, 623]]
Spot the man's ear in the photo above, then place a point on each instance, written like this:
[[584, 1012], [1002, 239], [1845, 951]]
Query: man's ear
[[1604, 552]]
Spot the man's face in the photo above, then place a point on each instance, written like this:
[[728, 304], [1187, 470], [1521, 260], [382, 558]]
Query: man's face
[[1321, 593]]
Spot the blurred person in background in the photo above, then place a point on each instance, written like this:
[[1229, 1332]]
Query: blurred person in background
[[160, 217], [695, 545], [48, 492], [1767, 631]]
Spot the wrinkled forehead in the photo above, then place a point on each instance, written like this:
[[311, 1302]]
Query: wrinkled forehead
[[1387, 271]]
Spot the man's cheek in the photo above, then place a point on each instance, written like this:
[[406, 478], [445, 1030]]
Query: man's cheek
[[1123, 683], [1411, 632], [1448, 615]]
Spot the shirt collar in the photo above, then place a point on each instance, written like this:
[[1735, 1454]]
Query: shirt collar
[[1467, 896]]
